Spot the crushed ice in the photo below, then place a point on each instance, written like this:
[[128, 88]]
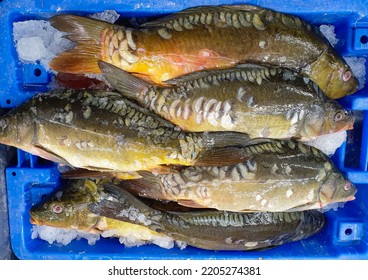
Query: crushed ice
[[329, 32], [329, 143], [65, 236]]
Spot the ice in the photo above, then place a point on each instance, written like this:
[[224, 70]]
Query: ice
[[329, 32], [357, 65], [62, 236], [65, 236], [37, 41], [31, 49], [108, 15], [329, 143]]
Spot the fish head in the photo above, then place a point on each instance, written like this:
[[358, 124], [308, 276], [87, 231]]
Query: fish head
[[67, 208], [333, 75], [336, 188], [325, 118], [337, 118]]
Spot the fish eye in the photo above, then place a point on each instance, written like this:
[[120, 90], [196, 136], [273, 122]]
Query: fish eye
[[347, 186], [339, 116], [57, 208], [347, 75]]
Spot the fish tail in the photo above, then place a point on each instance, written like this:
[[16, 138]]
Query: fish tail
[[127, 84], [223, 148], [120, 205], [148, 186], [88, 35]]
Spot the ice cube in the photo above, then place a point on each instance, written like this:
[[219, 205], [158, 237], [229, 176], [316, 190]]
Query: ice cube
[[329, 143], [107, 15], [357, 65], [31, 49], [37, 41], [329, 32]]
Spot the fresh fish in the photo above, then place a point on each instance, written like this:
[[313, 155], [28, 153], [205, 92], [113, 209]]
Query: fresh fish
[[282, 176], [101, 131], [206, 37], [67, 208], [260, 101], [210, 229]]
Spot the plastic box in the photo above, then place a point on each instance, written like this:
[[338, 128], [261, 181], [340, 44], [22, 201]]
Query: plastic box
[[346, 234]]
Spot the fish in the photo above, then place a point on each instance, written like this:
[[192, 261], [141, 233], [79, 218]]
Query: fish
[[213, 229], [205, 37], [67, 208], [257, 100], [282, 175], [102, 131]]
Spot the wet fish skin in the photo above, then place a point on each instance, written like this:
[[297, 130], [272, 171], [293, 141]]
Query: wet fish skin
[[260, 101], [214, 230], [179, 44], [282, 175], [102, 131], [67, 208]]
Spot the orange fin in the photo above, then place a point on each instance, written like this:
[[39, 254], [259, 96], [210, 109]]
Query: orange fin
[[87, 33], [190, 203]]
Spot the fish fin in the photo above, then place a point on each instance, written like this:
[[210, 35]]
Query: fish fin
[[124, 82], [221, 156], [86, 32], [149, 186], [190, 203], [162, 21], [225, 139], [243, 7], [80, 173], [123, 206], [41, 151], [165, 169], [223, 148]]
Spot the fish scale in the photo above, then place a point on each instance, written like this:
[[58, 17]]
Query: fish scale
[[280, 176], [193, 40], [104, 138], [241, 99], [215, 230]]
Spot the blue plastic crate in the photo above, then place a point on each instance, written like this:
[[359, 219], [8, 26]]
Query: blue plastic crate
[[346, 234]]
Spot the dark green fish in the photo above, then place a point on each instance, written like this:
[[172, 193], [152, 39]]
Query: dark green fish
[[213, 230]]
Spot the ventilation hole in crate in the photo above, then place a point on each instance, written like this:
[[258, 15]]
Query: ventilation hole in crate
[[14, 173], [43, 197], [364, 39], [348, 231], [8, 101], [37, 72]]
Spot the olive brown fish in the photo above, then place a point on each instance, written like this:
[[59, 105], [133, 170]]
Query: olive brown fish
[[206, 37], [102, 131], [260, 101], [211, 229]]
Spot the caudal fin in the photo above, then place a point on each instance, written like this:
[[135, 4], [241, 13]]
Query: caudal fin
[[87, 34]]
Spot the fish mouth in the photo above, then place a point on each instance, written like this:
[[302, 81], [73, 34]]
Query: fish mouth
[[33, 221], [350, 198]]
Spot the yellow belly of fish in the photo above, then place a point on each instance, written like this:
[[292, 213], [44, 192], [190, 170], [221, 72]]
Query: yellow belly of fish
[[122, 229]]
